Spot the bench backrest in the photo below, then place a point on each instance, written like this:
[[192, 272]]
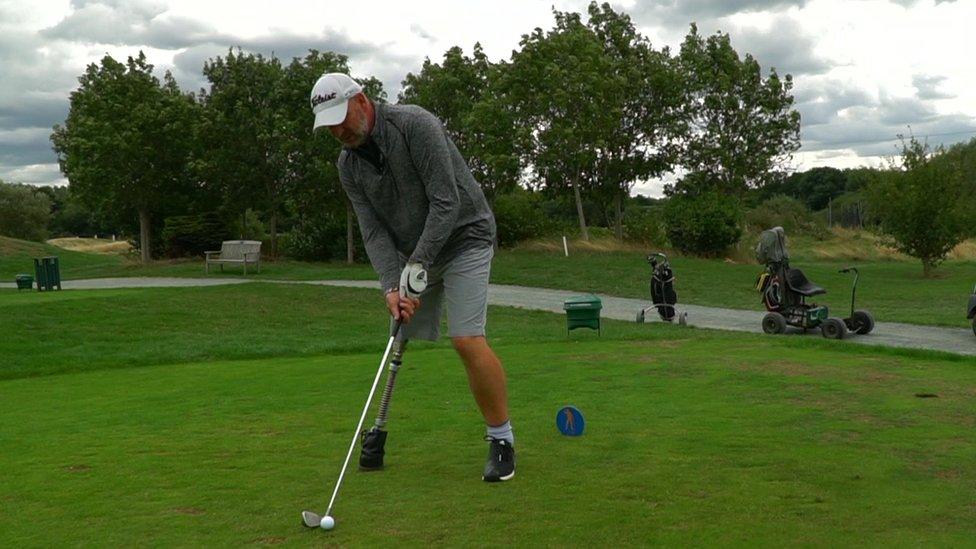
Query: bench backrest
[[235, 249]]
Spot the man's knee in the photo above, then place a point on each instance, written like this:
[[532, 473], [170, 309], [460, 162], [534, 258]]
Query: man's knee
[[467, 345]]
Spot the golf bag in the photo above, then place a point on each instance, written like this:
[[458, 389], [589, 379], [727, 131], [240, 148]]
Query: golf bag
[[663, 295]]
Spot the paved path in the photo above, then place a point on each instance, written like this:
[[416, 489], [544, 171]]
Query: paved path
[[890, 334]]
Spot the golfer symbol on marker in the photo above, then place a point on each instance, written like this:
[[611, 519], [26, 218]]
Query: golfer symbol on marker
[[570, 421]]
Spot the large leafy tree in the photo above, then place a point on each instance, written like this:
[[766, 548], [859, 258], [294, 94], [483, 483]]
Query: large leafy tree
[[240, 135], [307, 159], [927, 206], [464, 93], [739, 128], [643, 105], [24, 212], [125, 144], [562, 85]]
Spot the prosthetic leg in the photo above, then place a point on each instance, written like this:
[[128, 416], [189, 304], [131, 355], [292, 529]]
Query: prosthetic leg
[[373, 440]]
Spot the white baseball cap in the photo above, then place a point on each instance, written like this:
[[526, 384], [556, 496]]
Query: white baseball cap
[[330, 98]]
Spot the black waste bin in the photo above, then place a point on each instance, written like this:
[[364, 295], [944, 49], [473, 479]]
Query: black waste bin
[[47, 272]]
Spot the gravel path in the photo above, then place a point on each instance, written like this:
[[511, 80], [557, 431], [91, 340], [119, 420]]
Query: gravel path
[[890, 334]]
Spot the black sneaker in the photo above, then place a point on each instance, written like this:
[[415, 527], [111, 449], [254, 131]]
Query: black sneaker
[[501, 461], [371, 457]]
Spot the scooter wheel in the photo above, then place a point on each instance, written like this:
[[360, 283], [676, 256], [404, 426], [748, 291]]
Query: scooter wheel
[[862, 322], [833, 328], [774, 323], [640, 317]]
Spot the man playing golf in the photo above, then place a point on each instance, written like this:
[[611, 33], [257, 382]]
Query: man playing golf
[[421, 213]]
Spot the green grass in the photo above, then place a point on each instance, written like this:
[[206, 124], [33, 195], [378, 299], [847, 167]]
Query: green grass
[[170, 436], [75, 331], [16, 256], [893, 290]]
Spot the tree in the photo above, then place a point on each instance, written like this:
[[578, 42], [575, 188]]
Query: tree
[[240, 135], [926, 207], [464, 93], [644, 104], [738, 128], [560, 83], [125, 144], [24, 212], [308, 159], [815, 187]]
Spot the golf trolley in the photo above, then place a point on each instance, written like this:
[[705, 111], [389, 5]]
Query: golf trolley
[[971, 310], [663, 296], [784, 291]]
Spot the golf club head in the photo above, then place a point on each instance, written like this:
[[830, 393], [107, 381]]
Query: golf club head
[[310, 519]]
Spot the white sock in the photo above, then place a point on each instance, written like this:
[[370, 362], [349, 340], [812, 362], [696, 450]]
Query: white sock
[[503, 432]]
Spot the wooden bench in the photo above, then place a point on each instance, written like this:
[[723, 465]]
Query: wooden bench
[[236, 252]]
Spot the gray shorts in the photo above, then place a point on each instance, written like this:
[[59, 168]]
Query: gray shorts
[[463, 284]]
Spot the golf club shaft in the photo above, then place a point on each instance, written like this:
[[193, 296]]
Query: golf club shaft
[[362, 418]]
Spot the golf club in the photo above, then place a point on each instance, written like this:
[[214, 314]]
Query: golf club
[[413, 282], [312, 519]]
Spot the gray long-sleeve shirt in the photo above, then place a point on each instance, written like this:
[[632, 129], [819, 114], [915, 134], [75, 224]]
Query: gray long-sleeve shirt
[[422, 204]]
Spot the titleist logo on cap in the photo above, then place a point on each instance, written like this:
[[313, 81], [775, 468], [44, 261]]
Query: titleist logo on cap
[[318, 99]]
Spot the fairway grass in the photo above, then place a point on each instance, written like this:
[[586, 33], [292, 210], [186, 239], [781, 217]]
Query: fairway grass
[[893, 290], [693, 437]]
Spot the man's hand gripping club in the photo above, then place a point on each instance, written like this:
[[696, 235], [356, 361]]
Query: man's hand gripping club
[[403, 302]]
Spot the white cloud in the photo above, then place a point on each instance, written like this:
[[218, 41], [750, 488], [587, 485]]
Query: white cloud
[[857, 84]]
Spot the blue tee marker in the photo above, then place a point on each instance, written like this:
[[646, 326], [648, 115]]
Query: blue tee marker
[[569, 421]]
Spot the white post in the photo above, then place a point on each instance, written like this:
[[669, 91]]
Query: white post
[[96, 236], [113, 238], [565, 247]]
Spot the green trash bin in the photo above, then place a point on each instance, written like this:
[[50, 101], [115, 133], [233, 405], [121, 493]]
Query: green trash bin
[[47, 271], [583, 312], [24, 281]]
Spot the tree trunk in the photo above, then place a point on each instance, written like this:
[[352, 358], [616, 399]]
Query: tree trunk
[[618, 224], [274, 235], [144, 236], [927, 268], [579, 208], [350, 236]]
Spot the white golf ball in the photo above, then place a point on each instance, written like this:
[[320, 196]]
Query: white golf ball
[[327, 523]]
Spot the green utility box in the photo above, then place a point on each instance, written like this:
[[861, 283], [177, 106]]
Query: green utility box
[[24, 281], [47, 272], [583, 312]]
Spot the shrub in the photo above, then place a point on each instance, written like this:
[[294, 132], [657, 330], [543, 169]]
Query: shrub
[[249, 226], [518, 217], [705, 224], [787, 212], [643, 225], [320, 238], [191, 235]]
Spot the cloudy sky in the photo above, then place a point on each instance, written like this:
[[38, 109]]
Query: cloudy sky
[[864, 70]]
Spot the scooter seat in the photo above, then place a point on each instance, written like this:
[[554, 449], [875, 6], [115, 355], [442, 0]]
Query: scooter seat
[[799, 283]]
